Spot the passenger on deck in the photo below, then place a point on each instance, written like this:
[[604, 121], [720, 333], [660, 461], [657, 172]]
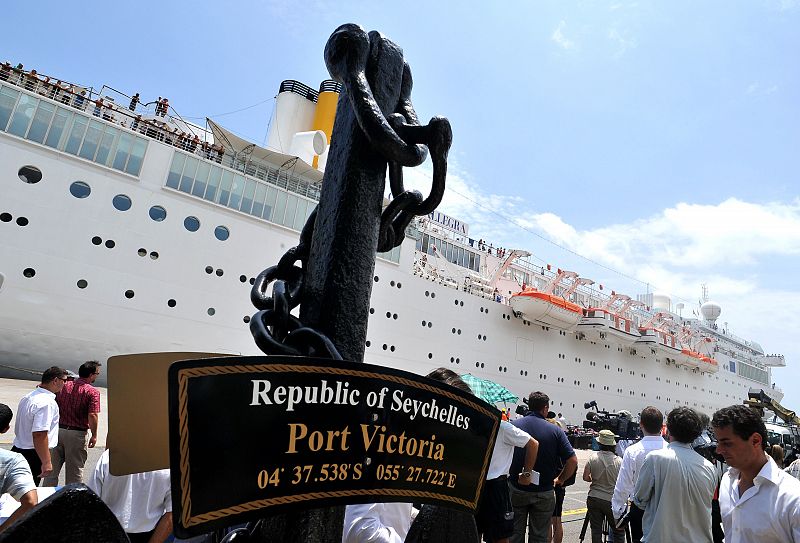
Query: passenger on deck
[[134, 102]]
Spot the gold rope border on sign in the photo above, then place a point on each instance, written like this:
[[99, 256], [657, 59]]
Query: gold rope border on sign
[[183, 431]]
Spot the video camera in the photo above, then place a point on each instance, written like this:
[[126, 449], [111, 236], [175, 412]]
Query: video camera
[[621, 424], [523, 408]]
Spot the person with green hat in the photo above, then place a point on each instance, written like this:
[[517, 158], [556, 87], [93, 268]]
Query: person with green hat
[[601, 471]]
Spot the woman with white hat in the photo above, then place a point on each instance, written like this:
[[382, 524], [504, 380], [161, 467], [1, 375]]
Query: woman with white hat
[[601, 471]]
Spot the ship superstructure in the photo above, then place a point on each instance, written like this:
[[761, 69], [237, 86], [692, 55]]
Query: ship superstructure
[[124, 231]]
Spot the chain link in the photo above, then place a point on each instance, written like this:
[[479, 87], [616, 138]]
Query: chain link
[[274, 328]]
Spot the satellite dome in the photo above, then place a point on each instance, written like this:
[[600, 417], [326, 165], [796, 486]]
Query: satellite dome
[[710, 311]]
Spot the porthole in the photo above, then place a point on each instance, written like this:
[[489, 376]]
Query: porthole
[[211, 311], [192, 224], [246, 319], [83, 283], [252, 280], [171, 303], [79, 189], [430, 356], [376, 279], [209, 270], [243, 278], [28, 272], [129, 294], [154, 255], [391, 348], [121, 202], [5, 217], [369, 343], [22, 221], [158, 213], [30, 174], [221, 233], [219, 272], [142, 252], [110, 243]]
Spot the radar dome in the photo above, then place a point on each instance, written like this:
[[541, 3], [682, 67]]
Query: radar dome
[[710, 311], [662, 301]]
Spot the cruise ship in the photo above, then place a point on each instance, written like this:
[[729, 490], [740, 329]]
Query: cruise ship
[[124, 229]]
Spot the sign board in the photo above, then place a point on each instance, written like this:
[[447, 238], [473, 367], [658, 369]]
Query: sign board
[[252, 434], [138, 427], [449, 222]]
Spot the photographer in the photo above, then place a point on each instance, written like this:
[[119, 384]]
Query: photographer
[[650, 421]]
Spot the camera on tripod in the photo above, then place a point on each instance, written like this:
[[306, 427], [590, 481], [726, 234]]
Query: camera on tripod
[[621, 424]]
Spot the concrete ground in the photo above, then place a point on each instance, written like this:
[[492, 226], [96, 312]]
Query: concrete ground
[[12, 390]]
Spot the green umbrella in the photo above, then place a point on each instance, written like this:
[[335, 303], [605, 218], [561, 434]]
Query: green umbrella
[[487, 390]]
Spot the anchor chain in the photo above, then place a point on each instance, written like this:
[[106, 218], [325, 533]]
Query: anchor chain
[[403, 142]]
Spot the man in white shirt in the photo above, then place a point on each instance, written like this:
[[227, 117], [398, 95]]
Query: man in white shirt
[[495, 515], [650, 421], [676, 485], [36, 428], [759, 502], [142, 502]]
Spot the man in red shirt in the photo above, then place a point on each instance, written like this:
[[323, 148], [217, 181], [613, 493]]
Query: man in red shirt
[[79, 408]]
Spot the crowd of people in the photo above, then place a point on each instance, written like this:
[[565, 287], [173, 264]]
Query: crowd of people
[[56, 423], [146, 124], [660, 489]]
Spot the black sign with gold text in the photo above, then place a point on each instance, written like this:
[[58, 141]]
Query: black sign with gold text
[[250, 434]]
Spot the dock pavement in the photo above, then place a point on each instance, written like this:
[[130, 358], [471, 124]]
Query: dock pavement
[[11, 390]]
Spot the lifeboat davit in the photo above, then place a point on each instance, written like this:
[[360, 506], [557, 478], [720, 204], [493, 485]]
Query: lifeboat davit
[[548, 309]]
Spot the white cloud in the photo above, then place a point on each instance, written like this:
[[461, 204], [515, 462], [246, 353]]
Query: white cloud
[[560, 39], [623, 41], [757, 89]]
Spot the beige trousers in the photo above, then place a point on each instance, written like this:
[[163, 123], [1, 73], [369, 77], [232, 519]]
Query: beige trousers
[[71, 450]]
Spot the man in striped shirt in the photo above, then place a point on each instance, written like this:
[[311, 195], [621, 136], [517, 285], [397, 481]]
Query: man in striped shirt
[[79, 409]]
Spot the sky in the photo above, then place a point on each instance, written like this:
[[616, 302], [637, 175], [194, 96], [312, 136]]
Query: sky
[[650, 146]]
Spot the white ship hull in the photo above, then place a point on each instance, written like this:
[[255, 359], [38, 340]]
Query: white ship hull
[[417, 324]]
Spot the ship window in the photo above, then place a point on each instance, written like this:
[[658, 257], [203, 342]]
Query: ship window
[[192, 224], [121, 202], [221, 233], [213, 183], [269, 203], [200, 179], [28, 272], [236, 191], [92, 140], [158, 213], [79, 125], [41, 120], [106, 144], [291, 208], [258, 199], [79, 189], [123, 151], [174, 176], [57, 128], [247, 199], [8, 97], [225, 188], [302, 213], [30, 174], [137, 156], [280, 208], [189, 172], [82, 283], [22, 115]]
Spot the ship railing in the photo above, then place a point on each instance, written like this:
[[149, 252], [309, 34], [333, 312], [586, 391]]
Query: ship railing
[[143, 120]]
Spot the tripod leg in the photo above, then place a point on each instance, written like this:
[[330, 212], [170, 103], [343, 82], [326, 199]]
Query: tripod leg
[[583, 528]]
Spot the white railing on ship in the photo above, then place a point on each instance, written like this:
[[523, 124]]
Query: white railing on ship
[[145, 120]]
